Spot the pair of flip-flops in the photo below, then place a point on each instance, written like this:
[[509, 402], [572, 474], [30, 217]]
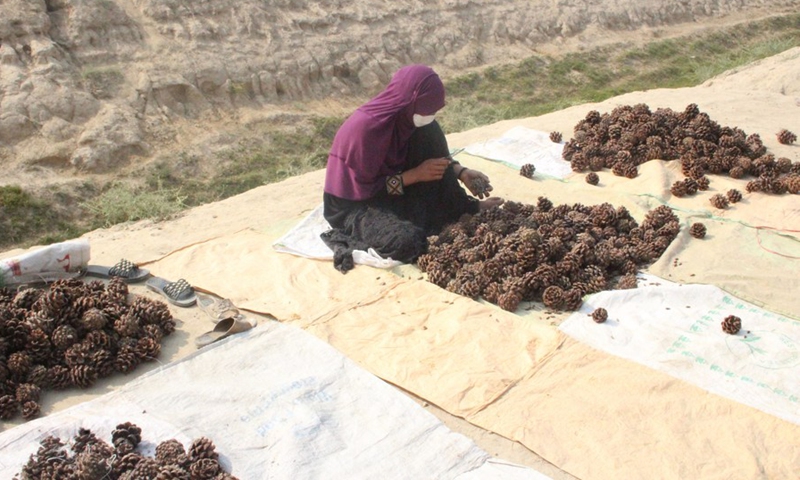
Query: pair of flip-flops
[[179, 292], [229, 320]]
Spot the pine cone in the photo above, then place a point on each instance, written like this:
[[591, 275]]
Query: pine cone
[[31, 410], [64, 337], [83, 376], [544, 204], [25, 298], [9, 407], [147, 349], [91, 464], [555, 137], [509, 301], [786, 137], [479, 185], [19, 364], [600, 315], [93, 319], [702, 183], [126, 360], [697, 230], [83, 439], [734, 195], [690, 185], [592, 178], [146, 469], [104, 362], [99, 340], [527, 170], [204, 469], [39, 376], [126, 436], [719, 201], [732, 324], [736, 172], [573, 298], [202, 448], [173, 472], [127, 325], [171, 452], [626, 282], [553, 297], [60, 377], [53, 302], [28, 392], [679, 189], [125, 463], [39, 346], [783, 165]]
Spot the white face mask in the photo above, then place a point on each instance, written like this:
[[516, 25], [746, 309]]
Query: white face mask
[[422, 120]]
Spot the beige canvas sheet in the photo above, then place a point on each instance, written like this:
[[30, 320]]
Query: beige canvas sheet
[[590, 413]]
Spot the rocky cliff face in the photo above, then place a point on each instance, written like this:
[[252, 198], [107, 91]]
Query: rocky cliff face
[[86, 84]]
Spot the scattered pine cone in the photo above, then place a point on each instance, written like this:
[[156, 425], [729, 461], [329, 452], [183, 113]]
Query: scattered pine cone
[[599, 315], [786, 137], [732, 324], [697, 230], [631, 135], [734, 195], [592, 178], [547, 253], [95, 459], [64, 336], [555, 137], [527, 170], [719, 201]]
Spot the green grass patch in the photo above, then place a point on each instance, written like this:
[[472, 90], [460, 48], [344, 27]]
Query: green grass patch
[[543, 84], [26, 220], [122, 202]]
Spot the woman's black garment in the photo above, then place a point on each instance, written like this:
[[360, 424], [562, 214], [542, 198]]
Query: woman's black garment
[[397, 226]]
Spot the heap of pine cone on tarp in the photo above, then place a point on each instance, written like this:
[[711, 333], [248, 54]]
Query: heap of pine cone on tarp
[[632, 135], [553, 254], [71, 334], [91, 458]]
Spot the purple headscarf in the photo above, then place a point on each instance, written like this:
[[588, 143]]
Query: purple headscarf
[[373, 142]]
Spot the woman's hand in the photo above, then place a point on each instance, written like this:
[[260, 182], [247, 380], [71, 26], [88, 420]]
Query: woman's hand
[[430, 170], [476, 182]]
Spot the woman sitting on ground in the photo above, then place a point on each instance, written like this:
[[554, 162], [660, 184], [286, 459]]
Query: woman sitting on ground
[[390, 181]]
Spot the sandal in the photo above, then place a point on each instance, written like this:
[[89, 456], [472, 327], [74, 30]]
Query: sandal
[[223, 329], [178, 292], [216, 308], [127, 270]]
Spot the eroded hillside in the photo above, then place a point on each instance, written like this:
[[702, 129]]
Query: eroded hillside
[[91, 86]]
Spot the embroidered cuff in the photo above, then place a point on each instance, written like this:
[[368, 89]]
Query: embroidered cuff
[[394, 184]]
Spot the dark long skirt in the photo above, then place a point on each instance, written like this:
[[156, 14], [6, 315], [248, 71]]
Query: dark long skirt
[[397, 226]]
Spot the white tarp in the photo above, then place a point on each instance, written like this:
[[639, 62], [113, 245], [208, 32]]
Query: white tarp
[[278, 403], [677, 329], [304, 240], [521, 145], [54, 261]]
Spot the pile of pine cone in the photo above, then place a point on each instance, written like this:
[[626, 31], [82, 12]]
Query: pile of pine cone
[[94, 459], [71, 334], [632, 135], [553, 254]]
